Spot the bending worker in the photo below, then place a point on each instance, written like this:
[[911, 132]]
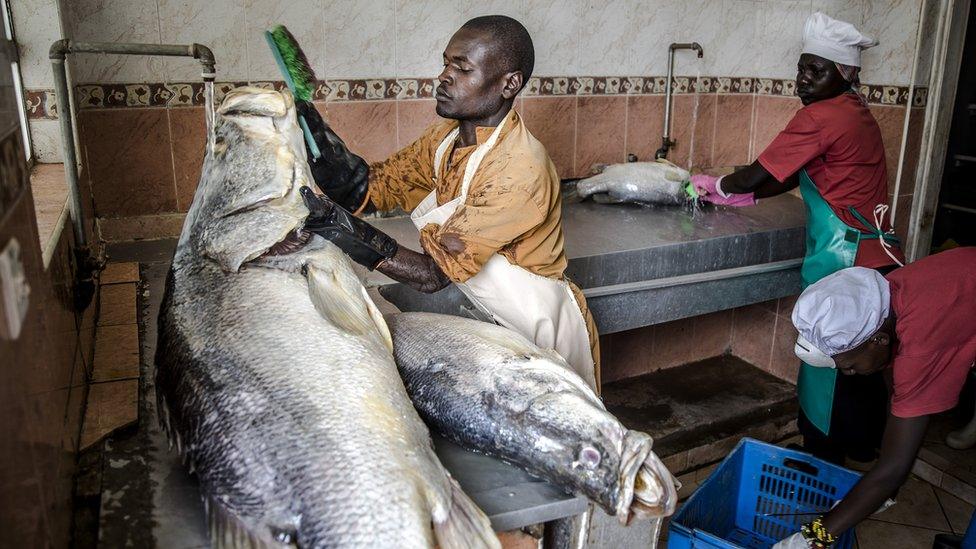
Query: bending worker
[[481, 190], [918, 327], [832, 150]]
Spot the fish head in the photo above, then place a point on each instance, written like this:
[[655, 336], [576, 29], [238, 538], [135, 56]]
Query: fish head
[[579, 441], [248, 199], [576, 441], [646, 488]]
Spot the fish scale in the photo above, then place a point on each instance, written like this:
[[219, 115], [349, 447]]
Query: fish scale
[[274, 374], [490, 389]]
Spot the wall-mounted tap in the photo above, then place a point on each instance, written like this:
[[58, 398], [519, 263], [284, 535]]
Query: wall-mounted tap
[[666, 141]]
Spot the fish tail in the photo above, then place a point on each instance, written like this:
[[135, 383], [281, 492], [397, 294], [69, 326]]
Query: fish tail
[[465, 525]]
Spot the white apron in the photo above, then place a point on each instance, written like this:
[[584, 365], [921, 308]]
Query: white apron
[[543, 310]]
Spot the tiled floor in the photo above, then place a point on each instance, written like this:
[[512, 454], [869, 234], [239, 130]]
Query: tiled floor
[[113, 395]]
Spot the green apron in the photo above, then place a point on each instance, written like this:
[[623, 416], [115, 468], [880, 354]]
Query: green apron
[[831, 246]]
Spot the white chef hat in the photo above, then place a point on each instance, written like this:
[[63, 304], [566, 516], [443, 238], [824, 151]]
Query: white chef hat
[[838, 41], [838, 313]]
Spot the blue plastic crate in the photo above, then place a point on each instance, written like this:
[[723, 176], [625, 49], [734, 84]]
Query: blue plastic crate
[[752, 497]]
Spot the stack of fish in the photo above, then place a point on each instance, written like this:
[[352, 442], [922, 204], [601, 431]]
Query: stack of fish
[[275, 371], [278, 384]]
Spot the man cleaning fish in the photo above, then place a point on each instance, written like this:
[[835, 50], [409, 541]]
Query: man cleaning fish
[[483, 193]]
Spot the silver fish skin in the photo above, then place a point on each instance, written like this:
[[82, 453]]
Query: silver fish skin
[[275, 373], [657, 182], [490, 389]]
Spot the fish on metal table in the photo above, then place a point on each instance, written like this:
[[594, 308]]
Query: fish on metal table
[[490, 389], [659, 182], [275, 372]]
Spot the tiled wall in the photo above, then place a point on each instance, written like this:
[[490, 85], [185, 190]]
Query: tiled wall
[[761, 334], [395, 39], [146, 161], [43, 385]]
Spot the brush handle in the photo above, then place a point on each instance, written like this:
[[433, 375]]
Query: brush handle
[[313, 147]]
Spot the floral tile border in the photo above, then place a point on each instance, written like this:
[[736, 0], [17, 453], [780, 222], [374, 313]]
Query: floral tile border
[[41, 103]]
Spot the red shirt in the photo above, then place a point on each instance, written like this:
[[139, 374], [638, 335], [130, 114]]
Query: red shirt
[[934, 301], [838, 141]]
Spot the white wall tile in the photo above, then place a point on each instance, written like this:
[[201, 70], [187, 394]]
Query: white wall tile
[[423, 28], [702, 21], [608, 32], [851, 11], [360, 38], [36, 27], [113, 21], [555, 29], [46, 141], [218, 24], [469, 9], [894, 23], [304, 19], [781, 36], [736, 50], [657, 29]]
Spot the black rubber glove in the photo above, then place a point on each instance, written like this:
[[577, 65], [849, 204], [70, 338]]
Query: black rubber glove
[[362, 242], [341, 175]]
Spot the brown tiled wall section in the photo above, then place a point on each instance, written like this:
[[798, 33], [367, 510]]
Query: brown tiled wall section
[[146, 161], [43, 385], [761, 334]]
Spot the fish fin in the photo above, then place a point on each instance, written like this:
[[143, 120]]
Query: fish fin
[[465, 525], [339, 297], [229, 530], [599, 183]]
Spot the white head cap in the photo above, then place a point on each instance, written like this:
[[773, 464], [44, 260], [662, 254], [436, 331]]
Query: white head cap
[[835, 40], [838, 313]]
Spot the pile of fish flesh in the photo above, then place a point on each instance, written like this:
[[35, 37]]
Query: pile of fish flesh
[[659, 182], [275, 371], [490, 389]]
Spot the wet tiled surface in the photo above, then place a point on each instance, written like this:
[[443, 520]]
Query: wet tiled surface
[[116, 353], [111, 405], [118, 305], [115, 273]]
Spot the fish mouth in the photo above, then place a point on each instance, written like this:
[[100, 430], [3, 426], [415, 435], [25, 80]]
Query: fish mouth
[[294, 241], [647, 488]]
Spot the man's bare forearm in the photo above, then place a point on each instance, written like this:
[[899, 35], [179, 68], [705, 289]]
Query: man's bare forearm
[[419, 271], [755, 179]]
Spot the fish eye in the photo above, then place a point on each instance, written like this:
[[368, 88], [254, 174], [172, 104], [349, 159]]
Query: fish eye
[[589, 457]]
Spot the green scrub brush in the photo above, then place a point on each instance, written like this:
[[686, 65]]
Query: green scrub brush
[[298, 75]]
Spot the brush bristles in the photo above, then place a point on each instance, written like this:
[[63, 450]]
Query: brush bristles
[[295, 62]]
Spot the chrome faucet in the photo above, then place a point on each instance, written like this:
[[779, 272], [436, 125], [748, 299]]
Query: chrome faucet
[[666, 141]]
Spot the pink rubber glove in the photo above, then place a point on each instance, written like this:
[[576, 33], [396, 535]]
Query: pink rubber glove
[[707, 188], [704, 184]]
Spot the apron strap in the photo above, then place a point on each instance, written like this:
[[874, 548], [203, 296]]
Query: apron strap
[[473, 162], [873, 232]]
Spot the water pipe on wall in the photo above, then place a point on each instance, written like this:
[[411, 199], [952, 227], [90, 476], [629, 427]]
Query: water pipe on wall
[[666, 141], [59, 50]]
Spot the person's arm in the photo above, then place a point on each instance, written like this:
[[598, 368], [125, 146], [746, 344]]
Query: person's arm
[[902, 439], [756, 179], [419, 271], [369, 246]]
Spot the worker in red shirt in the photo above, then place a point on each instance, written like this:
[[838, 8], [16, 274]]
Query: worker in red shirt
[[832, 150], [917, 326]]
